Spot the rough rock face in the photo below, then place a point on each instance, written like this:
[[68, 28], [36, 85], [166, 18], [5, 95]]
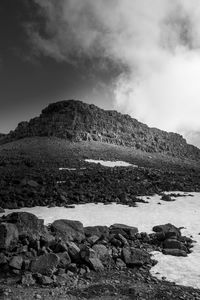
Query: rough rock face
[[77, 121]]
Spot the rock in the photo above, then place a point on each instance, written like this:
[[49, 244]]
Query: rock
[[2, 210], [28, 224], [16, 262], [3, 259], [134, 257], [32, 183], [100, 231], [27, 279], [120, 263], [64, 259], [8, 235], [74, 251], [167, 229], [87, 253], [68, 230], [174, 252], [44, 280], [121, 228], [95, 264], [45, 264], [92, 239], [167, 197], [101, 251], [173, 244]]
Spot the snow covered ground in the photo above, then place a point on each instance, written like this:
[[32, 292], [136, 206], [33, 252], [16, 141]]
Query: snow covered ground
[[110, 164], [185, 211]]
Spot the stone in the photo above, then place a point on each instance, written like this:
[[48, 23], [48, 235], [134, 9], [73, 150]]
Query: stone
[[74, 251], [8, 235], [27, 279], [32, 183], [44, 280], [99, 231], [92, 239], [101, 251], [166, 229], [27, 224], [65, 259], [16, 262], [68, 230], [45, 264], [2, 210], [174, 252], [167, 197], [86, 253], [120, 263], [134, 257], [95, 264], [172, 244], [121, 228], [3, 259]]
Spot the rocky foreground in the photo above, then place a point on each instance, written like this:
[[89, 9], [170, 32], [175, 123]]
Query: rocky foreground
[[68, 261]]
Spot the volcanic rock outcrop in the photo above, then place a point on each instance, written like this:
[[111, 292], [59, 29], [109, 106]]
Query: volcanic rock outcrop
[[78, 121]]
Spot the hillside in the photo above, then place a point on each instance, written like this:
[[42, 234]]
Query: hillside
[[77, 121]]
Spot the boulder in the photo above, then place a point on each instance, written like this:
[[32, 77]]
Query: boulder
[[16, 262], [3, 259], [74, 251], [134, 257], [101, 251], [27, 279], [8, 235], [174, 252], [173, 244], [45, 264], [100, 231], [87, 253], [167, 197], [28, 224], [124, 230], [68, 230], [65, 259], [167, 229], [95, 264]]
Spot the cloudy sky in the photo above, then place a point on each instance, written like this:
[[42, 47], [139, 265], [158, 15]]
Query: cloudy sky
[[140, 57]]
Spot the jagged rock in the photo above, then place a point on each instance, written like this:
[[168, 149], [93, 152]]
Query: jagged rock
[[8, 235], [134, 257], [167, 230], [101, 251], [173, 244], [44, 280], [27, 279], [120, 263], [68, 230], [16, 262], [95, 264], [3, 259], [123, 229], [74, 251], [28, 224], [87, 253], [167, 197], [92, 239], [100, 231], [64, 259], [174, 252], [45, 264]]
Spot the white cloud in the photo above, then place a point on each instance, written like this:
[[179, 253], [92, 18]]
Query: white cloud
[[157, 41]]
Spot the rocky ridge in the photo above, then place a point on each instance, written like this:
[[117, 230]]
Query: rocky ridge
[[78, 121]]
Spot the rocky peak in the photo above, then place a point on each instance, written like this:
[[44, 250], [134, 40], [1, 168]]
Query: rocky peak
[[78, 121]]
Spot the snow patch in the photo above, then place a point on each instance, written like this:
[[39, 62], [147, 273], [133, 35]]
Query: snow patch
[[110, 164]]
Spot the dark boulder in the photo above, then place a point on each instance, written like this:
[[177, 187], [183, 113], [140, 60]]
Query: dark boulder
[[68, 230], [8, 235], [134, 257], [174, 252], [45, 264], [167, 230]]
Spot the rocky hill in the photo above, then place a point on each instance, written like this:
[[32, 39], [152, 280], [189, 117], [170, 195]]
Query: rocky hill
[[77, 121]]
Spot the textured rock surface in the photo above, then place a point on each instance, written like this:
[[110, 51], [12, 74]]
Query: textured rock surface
[[69, 230], [77, 121]]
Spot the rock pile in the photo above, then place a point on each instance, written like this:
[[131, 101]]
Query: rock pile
[[78, 121], [63, 251]]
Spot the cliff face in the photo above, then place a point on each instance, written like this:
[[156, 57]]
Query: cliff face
[[77, 121]]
